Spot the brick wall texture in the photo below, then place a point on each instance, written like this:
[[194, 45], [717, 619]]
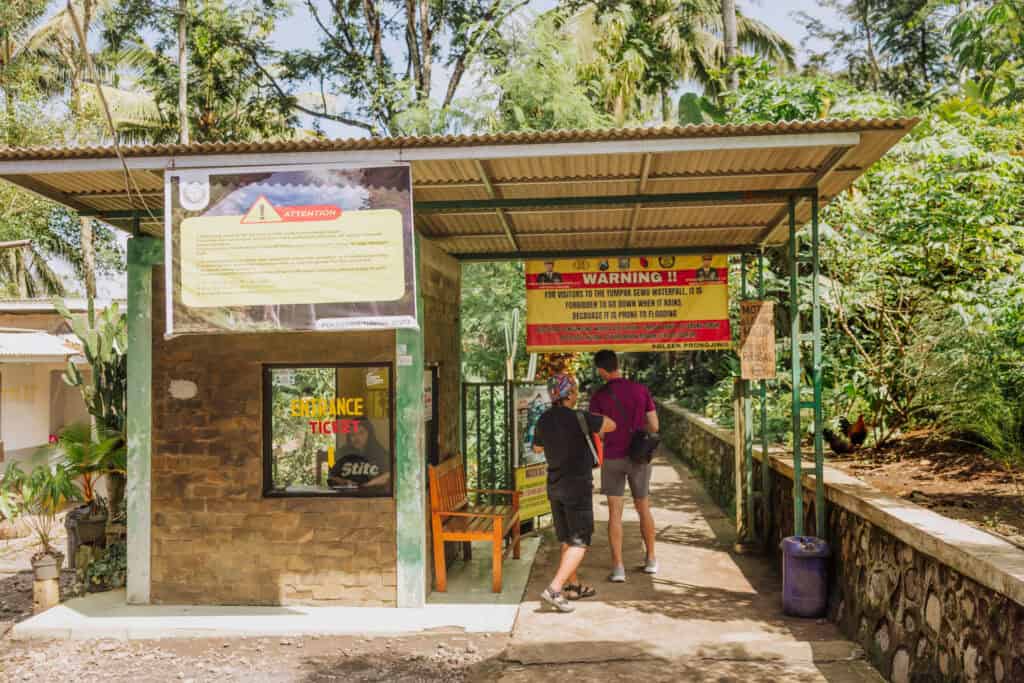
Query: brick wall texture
[[215, 538]]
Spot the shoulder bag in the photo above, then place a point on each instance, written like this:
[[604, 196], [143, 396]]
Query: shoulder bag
[[642, 443], [596, 447]]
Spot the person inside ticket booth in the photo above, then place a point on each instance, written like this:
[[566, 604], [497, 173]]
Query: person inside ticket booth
[[362, 463]]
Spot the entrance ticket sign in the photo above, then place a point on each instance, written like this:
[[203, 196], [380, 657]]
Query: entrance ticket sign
[[636, 303], [291, 248]]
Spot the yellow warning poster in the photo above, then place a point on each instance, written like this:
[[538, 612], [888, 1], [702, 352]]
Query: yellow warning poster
[[290, 248], [353, 256], [532, 485], [629, 303]]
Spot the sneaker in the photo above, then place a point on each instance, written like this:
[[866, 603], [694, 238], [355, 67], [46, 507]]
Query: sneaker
[[556, 600], [651, 567], [618, 575]]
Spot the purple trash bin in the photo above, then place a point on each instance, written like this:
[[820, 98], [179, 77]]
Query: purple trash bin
[[805, 576]]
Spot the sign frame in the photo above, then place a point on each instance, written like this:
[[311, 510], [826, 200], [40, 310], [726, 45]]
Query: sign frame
[[192, 174]]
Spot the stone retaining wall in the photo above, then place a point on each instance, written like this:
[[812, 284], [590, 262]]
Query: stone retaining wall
[[929, 598]]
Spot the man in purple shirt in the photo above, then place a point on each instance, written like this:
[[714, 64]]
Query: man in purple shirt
[[630, 405]]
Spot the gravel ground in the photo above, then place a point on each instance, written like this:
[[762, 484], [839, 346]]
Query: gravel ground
[[453, 657]]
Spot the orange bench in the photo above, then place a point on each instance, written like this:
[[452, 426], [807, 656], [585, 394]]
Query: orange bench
[[452, 518]]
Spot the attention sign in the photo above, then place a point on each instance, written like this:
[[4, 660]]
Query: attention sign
[[656, 303], [317, 248]]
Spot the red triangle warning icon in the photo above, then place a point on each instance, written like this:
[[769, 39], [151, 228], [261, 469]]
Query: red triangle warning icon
[[262, 212]]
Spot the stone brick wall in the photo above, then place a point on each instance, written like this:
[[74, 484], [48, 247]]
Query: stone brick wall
[[440, 283], [706, 449], [215, 538], [917, 617], [441, 287]]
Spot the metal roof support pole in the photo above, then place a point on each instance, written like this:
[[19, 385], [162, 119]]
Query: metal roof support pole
[[819, 457], [143, 254], [410, 464], [748, 428], [794, 344], [766, 470]]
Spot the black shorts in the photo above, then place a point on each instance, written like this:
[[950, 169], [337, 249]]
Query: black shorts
[[574, 519]]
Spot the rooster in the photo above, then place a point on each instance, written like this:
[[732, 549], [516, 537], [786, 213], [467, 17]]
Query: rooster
[[850, 436]]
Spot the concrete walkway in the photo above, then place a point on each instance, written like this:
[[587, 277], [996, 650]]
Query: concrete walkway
[[708, 615]]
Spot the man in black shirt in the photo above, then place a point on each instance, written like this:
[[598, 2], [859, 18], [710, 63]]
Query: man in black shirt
[[562, 434]]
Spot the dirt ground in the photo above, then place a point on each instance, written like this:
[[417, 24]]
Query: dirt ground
[[952, 478], [451, 657]]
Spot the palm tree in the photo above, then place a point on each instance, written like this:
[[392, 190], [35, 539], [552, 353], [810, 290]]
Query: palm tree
[[640, 51], [26, 272], [731, 39]]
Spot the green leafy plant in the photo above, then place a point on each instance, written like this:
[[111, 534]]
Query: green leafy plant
[[104, 338], [88, 459], [37, 497], [109, 570]]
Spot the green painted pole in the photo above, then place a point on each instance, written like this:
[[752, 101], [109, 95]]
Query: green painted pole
[[748, 427], [794, 343], [819, 454], [143, 254], [410, 487], [766, 472]]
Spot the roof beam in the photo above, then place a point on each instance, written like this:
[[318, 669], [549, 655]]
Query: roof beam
[[116, 195], [605, 209], [670, 177], [600, 253], [599, 233], [641, 188], [34, 185], [502, 218], [610, 200], [829, 166]]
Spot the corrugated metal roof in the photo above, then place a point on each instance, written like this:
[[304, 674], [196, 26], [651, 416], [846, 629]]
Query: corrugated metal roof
[[514, 138], [512, 193], [37, 346]]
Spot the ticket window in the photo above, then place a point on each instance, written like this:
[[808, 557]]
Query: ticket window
[[328, 430]]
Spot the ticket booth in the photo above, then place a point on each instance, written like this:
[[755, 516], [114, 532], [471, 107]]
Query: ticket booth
[[287, 298]]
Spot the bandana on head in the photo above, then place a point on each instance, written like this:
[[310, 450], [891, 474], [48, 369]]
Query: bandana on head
[[560, 386]]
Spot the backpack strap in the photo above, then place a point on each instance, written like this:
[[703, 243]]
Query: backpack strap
[[586, 436]]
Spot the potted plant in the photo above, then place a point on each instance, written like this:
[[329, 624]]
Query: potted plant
[[88, 460], [104, 342], [37, 497]]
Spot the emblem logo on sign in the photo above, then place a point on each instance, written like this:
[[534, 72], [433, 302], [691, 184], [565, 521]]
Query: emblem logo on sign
[[666, 261], [194, 191]]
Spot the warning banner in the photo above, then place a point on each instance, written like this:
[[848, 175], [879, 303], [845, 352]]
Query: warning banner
[[658, 303]]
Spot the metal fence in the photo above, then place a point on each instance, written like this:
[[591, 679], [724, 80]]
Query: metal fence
[[487, 434]]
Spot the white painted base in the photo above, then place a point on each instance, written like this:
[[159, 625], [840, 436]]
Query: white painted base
[[106, 615]]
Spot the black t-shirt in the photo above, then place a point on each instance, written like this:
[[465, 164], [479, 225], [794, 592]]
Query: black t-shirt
[[570, 461]]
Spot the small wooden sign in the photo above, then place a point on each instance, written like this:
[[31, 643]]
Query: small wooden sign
[[757, 340]]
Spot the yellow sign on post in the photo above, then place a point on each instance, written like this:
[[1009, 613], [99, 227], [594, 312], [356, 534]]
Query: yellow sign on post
[[356, 256], [628, 303], [532, 485], [757, 340]]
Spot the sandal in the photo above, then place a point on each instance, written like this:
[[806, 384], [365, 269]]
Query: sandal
[[556, 600], [578, 591]]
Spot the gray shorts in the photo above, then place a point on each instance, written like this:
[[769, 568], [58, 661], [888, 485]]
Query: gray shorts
[[614, 474]]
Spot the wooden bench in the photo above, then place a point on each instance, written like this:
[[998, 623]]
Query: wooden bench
[[452, 518]]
